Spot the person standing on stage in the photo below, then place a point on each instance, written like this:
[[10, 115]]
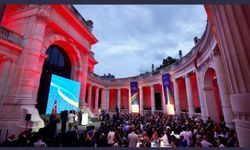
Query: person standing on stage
[[71, 118]]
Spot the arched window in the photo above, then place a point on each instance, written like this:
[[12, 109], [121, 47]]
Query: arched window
[[57, 63]]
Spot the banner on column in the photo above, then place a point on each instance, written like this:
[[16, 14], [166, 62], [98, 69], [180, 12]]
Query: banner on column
[[166, 83], [134, 97]]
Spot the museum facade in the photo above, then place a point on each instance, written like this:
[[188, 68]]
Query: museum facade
[[212, 80]]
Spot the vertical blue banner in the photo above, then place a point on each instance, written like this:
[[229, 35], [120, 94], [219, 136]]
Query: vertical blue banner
[[134, 93], [134, 96], [166, 83]]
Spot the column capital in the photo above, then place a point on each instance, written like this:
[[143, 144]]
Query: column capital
[[141, 86], [189, 74], [176, 79], [43, 14]]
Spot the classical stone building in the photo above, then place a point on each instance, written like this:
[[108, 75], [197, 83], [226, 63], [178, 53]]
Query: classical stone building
[[38, 40]]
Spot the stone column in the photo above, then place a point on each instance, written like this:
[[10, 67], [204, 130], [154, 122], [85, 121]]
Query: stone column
[[200, 83], [223, 89], [210, 102], [21, 97], [89, 96], [96, 99], [83, 80], [152, 98], [177, 97], [105, 99], [141, 100], [6, 69], [231, 27], [119, 99], [189, 95], [129, 100]]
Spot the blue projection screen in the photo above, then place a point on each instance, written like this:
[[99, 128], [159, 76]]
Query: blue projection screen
[[65, 92]]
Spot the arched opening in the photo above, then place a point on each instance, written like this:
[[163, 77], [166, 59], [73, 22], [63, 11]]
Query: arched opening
[[124, 99], [212, 95], [57, 63]]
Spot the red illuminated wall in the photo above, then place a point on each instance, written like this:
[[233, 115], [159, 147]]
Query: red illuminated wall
[[124, 98], [146, 97], [195, 91], [112, 98], [157, 88], [217, 98], [183, 94]]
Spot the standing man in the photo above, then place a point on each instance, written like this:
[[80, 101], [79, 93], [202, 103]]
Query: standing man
[[99, 113], [132, 138], [71, 118]]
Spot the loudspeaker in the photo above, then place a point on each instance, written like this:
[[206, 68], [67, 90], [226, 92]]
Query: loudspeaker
[[28, 117]]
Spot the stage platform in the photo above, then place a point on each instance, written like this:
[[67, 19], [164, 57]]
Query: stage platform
[[92, 122]]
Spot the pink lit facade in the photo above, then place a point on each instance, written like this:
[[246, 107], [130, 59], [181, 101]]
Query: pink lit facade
[[219, 84]]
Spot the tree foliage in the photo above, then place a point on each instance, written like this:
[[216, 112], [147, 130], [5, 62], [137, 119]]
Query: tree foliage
[[166, 62]]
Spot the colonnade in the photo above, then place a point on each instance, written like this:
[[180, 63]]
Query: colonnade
[[110, 98], [202, 92]]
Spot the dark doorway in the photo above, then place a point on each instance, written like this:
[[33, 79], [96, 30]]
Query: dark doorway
[[99, 98], [57, 63], [157, 101], [87, 95]]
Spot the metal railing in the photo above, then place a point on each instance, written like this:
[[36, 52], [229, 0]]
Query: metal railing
[[10, 36]]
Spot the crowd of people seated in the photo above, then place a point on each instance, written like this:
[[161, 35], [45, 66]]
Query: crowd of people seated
[[132, 130]]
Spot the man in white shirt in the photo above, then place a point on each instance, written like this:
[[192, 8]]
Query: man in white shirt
[[132, 138], [111, 138], [71, 118], [187, 135]]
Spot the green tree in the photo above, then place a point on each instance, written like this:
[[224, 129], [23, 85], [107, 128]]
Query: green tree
[[166, 62]]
